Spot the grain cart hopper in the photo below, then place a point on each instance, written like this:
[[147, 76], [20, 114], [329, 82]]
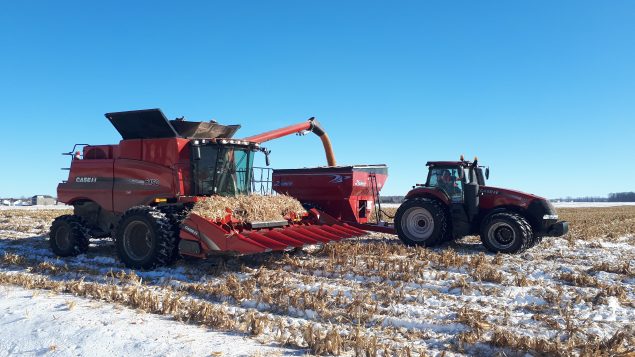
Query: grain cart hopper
[[140, 191]]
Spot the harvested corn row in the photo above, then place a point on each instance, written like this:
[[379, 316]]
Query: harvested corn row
[[252, 208]]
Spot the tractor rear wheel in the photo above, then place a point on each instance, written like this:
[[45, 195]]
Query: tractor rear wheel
[[68, 236], [145, 238], [506, 232], [421, 221]]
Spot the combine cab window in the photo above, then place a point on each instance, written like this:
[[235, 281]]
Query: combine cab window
[[447, 179], [222, 170], [233, 173]]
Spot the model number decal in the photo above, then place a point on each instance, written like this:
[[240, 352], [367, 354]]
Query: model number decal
[[83, 179], [151, 182], [489, 192]]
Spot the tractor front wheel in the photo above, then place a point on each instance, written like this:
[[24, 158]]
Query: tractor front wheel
[[68, 236], [506, 233], [421, 221], [145, 238]]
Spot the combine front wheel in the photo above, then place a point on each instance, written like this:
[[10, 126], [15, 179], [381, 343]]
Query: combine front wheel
[[506, 233], [68, 236], [421, 221], [145, 238]]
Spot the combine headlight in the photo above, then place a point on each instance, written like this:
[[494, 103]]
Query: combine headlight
[[550, 216], [195, 142], [232, 142], [204, 141], [223, 141]]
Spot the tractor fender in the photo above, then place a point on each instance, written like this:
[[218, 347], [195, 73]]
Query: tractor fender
[[429, 192]]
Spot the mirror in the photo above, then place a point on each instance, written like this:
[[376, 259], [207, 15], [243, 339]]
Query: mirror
[[266, 152], [487, 172]]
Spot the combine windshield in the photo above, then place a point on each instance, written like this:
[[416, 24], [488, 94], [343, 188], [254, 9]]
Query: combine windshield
[[222, 170]]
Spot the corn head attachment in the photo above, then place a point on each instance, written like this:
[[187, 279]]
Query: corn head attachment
[[201, 237]]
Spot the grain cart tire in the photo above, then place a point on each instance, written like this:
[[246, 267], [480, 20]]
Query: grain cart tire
[[506, 232], [421, 221], [145, 238], [68, 236]]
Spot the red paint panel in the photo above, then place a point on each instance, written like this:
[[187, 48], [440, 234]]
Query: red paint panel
[[88, 179], [138, 182]]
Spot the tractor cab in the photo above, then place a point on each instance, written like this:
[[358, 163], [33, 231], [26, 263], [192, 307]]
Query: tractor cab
[[453, 177], [455, 201]]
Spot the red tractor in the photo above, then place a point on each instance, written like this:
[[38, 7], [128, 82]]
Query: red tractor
[[455, 202], [141, 190]]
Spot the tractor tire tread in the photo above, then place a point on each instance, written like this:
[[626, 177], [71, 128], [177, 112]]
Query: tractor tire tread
[[524, 229], [440, 217]]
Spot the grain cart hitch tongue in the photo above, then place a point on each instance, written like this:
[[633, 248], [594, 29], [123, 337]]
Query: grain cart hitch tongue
[[144, 192]]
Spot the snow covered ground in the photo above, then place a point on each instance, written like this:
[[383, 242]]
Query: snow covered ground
[[38, 323], [368, 294]]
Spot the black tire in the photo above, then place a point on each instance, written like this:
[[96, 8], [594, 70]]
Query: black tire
[[506, 232], [145, 238], [176, 215], [422, 221], [68, 236]]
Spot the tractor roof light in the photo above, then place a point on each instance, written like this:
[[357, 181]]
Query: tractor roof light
[[196, 142], [224, 141]]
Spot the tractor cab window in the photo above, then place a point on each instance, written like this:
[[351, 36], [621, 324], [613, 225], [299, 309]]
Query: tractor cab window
[[449, 180]]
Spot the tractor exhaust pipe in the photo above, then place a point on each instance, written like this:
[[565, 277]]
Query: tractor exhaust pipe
[[311, 125]]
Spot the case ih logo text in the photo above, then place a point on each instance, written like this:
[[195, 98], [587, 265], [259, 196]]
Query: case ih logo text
[[86, 179], [191, 230]]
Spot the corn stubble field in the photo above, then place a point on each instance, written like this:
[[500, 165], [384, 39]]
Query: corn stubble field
[[373, 296]]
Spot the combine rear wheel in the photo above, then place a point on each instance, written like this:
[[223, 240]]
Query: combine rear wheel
[[421, 221], [145, 238], [68, 236], [507, 233]]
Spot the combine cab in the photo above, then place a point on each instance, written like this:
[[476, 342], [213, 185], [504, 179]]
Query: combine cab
[[141, 191]]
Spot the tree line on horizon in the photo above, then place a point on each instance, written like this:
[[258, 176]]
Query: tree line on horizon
[[612, 197]]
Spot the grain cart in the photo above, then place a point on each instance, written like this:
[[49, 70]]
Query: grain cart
[[140, 191]]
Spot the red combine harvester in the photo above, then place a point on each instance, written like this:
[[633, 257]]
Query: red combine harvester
[[141, 190]]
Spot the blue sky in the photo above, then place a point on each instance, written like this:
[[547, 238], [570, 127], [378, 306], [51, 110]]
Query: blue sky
[[542, 91]]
